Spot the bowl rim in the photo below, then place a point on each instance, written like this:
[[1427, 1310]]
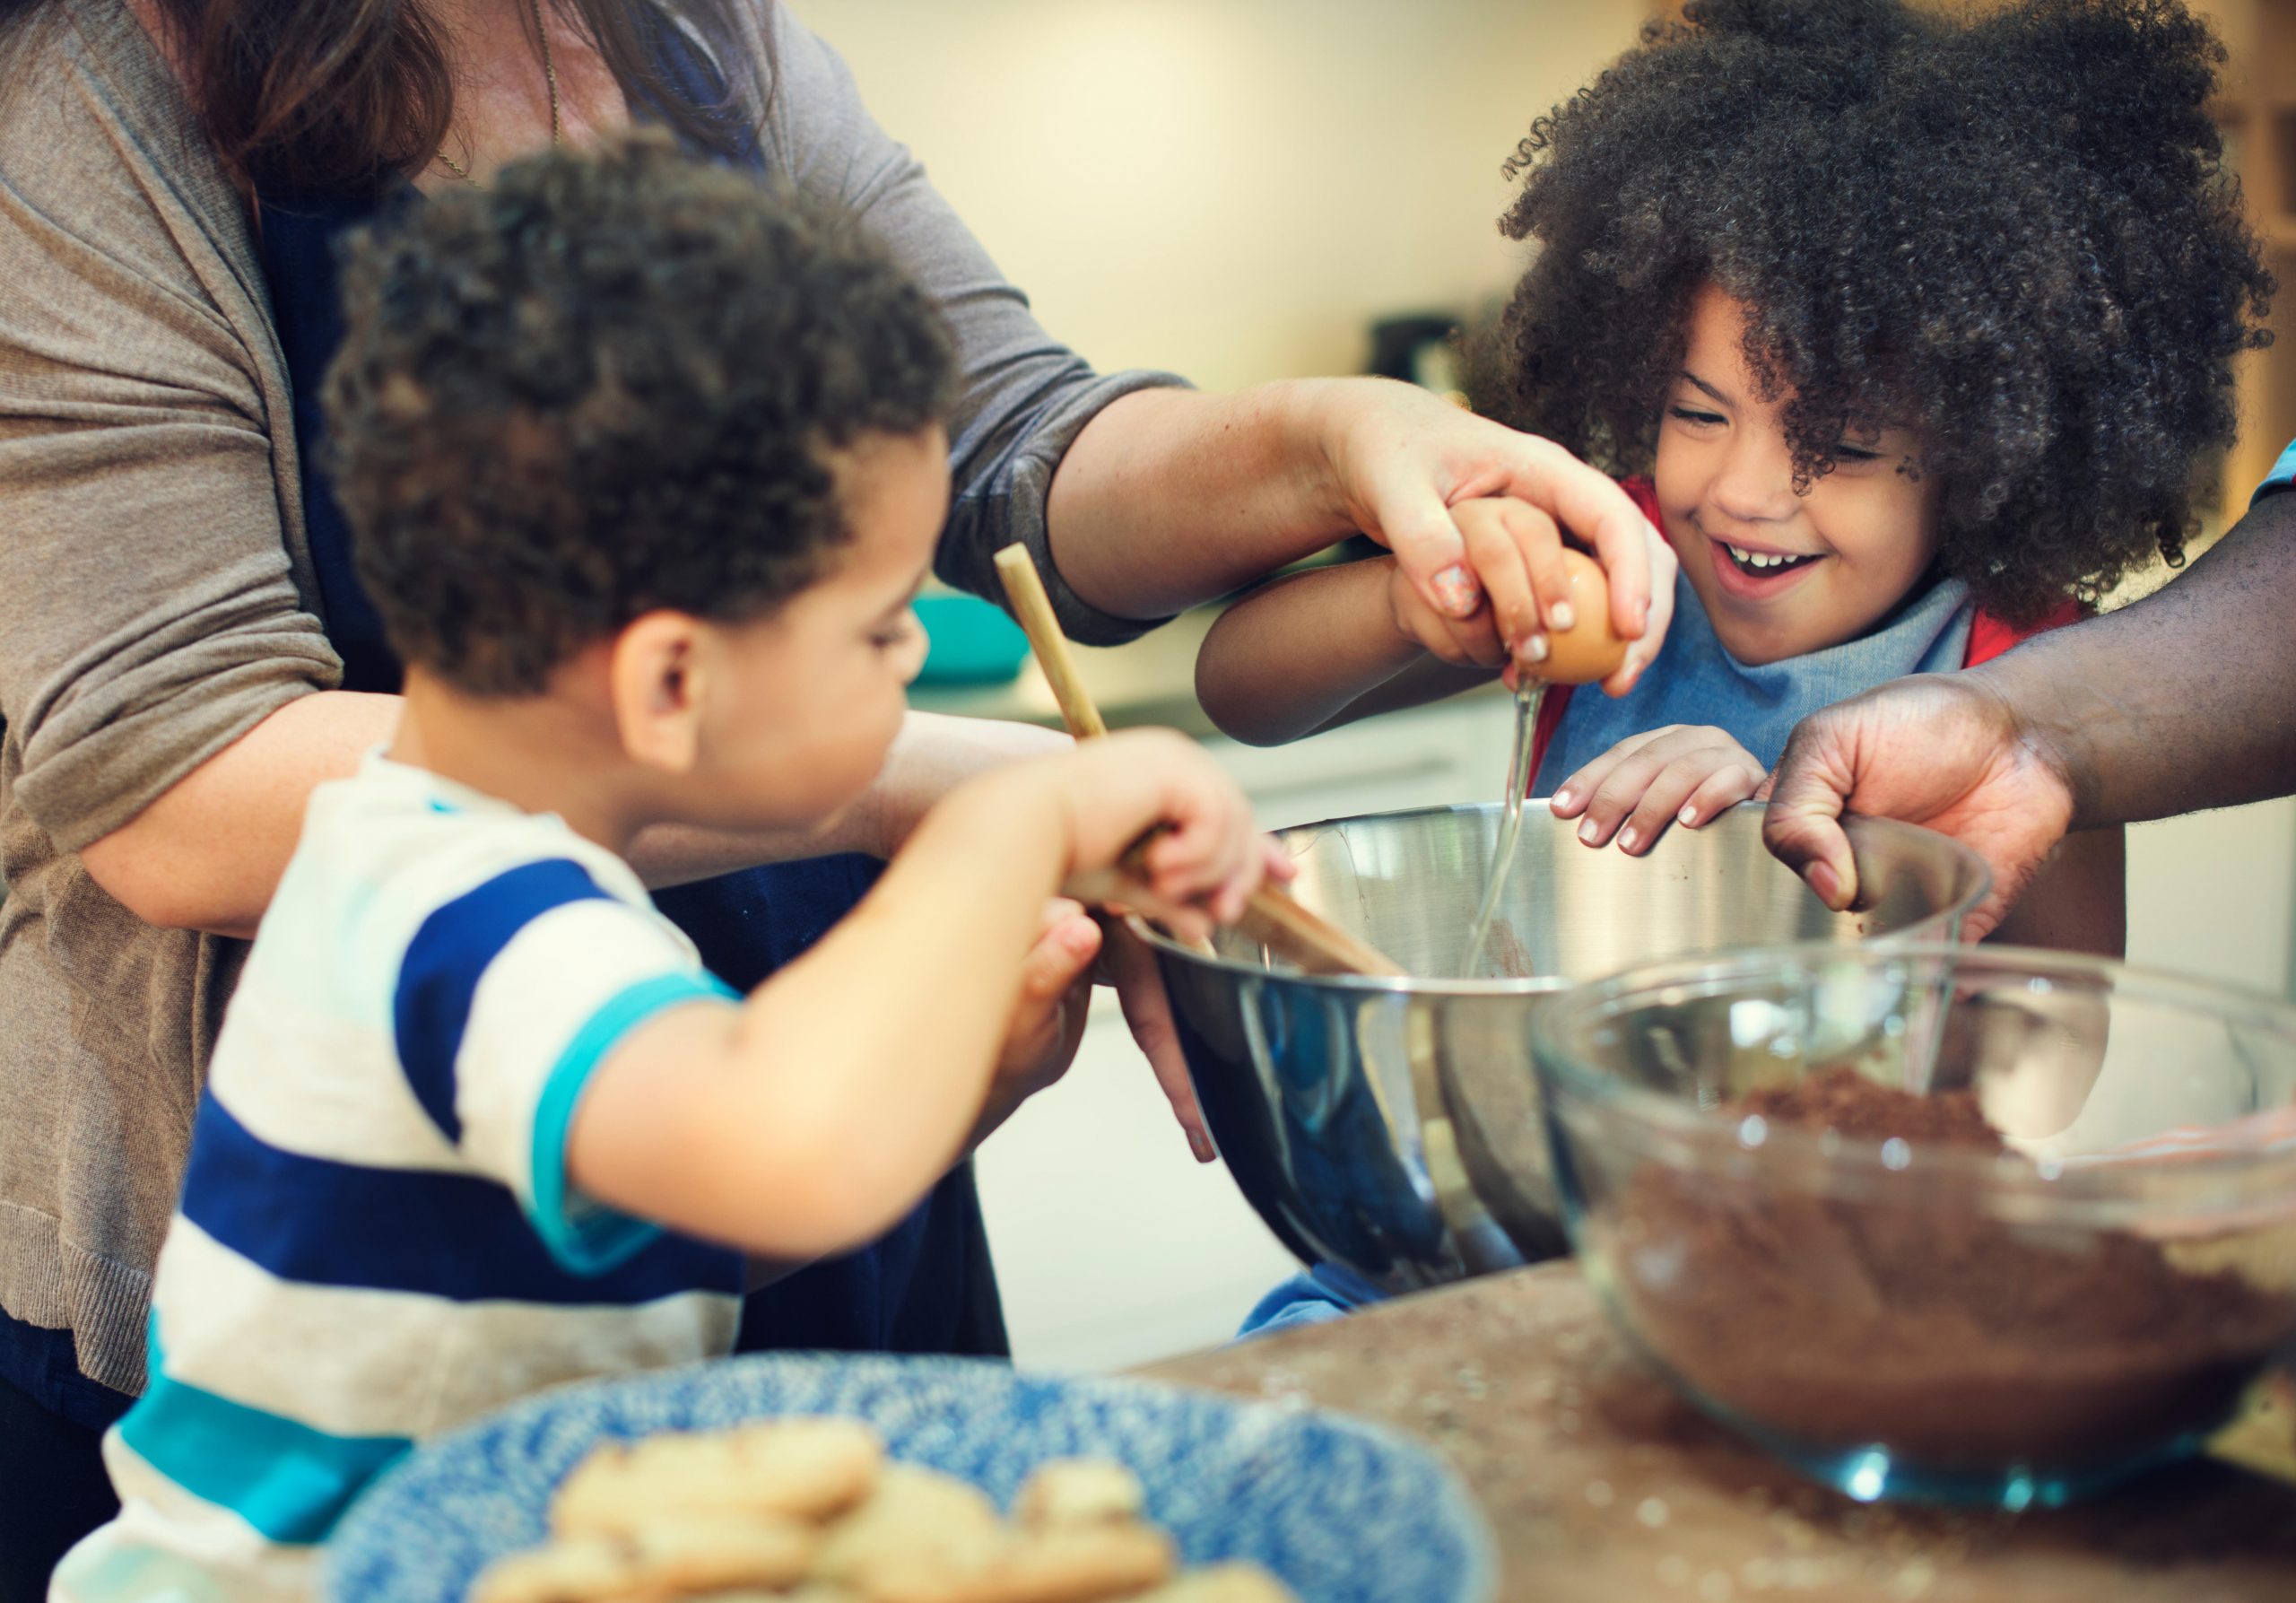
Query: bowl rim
[[1695, 1133], [1939, 924]]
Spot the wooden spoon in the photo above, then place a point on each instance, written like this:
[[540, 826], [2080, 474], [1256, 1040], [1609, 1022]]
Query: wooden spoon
[[1270, 917]]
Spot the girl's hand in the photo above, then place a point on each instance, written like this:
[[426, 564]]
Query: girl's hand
[[1685, 773], [1406, 461]]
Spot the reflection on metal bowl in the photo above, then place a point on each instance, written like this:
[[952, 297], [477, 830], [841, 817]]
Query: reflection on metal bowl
[[1392, 1126]]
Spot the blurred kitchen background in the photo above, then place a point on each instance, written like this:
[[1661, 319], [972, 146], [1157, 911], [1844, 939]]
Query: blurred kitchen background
[[1239, 190]]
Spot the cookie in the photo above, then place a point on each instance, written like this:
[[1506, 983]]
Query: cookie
[[670, 1558], [917, 1524], [1078, 1491], [1073, 1564], [583, 1569], [799, 1469], [1222, 1583], [689, 1554]]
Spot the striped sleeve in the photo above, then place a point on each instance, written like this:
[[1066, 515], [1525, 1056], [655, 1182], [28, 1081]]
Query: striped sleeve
[[507, 999]]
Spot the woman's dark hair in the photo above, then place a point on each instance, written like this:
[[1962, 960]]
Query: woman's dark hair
[[2013, 233], [314, 94], [606, 384]]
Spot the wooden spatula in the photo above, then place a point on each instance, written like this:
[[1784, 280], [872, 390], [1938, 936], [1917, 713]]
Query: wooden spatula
[[1271, 918]]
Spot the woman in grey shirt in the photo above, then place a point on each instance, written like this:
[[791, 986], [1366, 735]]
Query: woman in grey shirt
[[182, 659]]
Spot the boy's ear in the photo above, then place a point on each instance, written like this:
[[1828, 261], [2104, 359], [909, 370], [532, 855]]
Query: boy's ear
[[658, 680]]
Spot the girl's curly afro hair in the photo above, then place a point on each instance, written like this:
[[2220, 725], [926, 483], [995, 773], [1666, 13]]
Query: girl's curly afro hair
[[2013, 233]]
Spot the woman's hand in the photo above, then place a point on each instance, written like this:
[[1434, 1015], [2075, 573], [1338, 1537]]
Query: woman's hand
[[1685, 774], [1410, 465], [1946, 751]]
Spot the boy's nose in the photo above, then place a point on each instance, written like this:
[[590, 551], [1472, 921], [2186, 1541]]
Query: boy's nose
[[914, 643]]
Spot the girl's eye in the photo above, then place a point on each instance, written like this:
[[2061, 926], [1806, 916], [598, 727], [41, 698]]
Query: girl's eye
[[1691, 414], [885, 639], [1848, 452]]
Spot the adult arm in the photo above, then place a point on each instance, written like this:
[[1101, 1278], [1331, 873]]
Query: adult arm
[[2184, 700], [1139, 497], [207, 852]]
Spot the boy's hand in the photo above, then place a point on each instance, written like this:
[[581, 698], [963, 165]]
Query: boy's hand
[[1683, 773], [1206, 859], [1048, 1017], [1515, 553]]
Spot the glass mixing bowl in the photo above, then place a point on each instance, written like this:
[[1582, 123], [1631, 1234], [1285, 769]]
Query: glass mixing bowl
[[1949, 1222]]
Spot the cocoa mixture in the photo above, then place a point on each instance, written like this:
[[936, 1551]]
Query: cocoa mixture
[[1954, 1339]]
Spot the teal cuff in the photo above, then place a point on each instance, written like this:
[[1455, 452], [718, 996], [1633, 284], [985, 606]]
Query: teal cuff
[[583, 1237], [2283, 474]]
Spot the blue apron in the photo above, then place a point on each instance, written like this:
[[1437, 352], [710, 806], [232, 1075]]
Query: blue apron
[[1696, 681]]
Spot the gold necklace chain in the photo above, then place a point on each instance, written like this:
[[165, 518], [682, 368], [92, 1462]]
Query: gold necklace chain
[[550, 77]]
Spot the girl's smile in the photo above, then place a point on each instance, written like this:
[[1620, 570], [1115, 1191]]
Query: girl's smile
[[1781, 572]]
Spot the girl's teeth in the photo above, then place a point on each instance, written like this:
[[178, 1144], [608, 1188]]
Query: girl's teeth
[[1759, 559]]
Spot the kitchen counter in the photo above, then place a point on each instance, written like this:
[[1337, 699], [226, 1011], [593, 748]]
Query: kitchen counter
[[1600, 1484]]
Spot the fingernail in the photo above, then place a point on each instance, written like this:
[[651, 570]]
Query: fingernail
[[1201, 1145], [1457, 591], [1688, 814], [1827, 884], [1590, 832], [1626, 839], [1561, 615], [1561, 798], [1536, 647]]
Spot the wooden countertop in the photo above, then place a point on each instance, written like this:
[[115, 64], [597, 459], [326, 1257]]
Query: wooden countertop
[[1601, 1485]]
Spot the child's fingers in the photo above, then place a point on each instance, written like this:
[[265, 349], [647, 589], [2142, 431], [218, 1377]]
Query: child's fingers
[[1062, 955], [1540, 542], [1617, 793], [1489, 528], [1061, 959], [1669, 793], [1724, 789], [1571, 797], [1472, 641]]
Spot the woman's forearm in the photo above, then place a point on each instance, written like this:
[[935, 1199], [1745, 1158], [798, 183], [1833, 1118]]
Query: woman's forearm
[[933, 755], [2184, 700], [1170, 497], [208, 854]]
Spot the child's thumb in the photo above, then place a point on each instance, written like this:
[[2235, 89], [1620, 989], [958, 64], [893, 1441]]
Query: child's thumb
[[1063, 954]]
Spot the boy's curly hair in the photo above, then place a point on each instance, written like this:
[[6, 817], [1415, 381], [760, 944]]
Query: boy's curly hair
[[607, 385], [2013, 232]]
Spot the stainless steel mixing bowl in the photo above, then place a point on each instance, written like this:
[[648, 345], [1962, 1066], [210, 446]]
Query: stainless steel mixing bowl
[[1392, 1126]]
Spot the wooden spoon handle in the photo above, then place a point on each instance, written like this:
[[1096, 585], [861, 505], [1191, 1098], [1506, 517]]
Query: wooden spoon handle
[[1270, 917]]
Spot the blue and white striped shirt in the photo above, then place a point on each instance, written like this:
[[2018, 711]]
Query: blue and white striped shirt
[[376, 1240]]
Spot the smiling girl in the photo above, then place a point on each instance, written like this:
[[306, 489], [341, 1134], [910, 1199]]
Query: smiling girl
[[1908, 332]]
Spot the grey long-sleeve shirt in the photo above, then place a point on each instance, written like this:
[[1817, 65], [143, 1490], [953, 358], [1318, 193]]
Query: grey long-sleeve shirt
[[157, 599]]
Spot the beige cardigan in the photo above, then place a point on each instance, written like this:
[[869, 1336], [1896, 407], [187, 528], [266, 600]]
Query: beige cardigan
[[157, 599]]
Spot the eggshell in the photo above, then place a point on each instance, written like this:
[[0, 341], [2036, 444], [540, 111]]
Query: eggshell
[[1590, 648]]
